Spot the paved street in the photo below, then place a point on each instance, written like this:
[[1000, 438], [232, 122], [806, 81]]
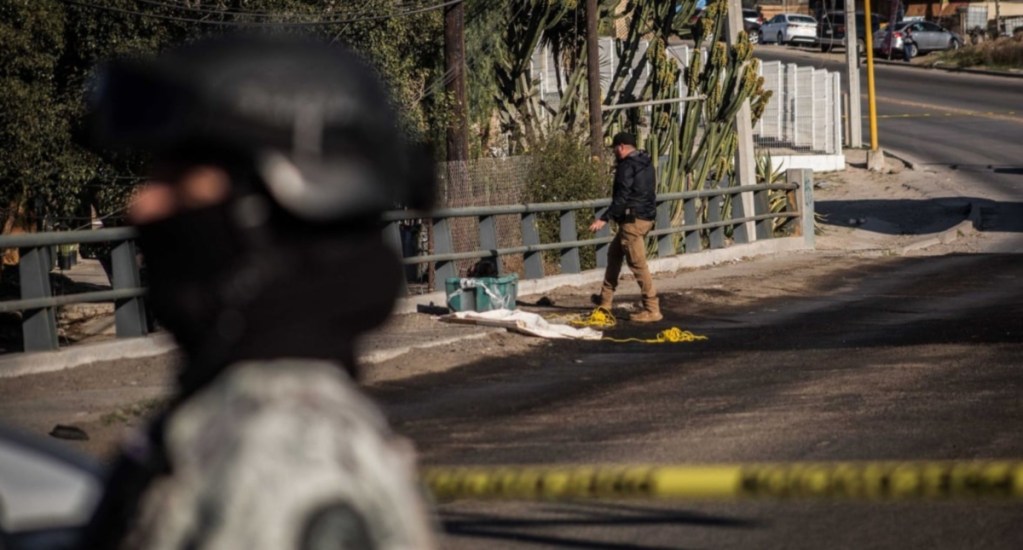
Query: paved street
[[886, 343], [889, 358]]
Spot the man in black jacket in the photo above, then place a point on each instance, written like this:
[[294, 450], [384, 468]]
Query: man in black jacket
[[633, 208]]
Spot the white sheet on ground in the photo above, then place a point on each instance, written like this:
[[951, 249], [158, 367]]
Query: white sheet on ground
[[524, 322]]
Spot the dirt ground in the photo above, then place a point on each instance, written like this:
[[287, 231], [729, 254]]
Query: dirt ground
[[105, 399]]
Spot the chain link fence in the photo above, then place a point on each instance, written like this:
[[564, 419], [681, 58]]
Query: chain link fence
[[477, 182]]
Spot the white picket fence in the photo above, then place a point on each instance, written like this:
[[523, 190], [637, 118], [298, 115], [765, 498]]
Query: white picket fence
[[804, 115]]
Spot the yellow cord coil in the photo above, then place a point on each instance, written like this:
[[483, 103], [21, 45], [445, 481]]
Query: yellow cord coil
[[602, 318], [598, 318], [673, 335]]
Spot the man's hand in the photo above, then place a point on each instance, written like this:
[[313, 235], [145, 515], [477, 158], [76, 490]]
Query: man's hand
[[597, 225]]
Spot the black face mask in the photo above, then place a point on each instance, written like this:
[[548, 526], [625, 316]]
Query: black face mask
[[188, 259], [284, 290]]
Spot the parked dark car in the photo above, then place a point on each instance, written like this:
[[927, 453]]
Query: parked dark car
[[753, 30], [751, 21], [752, 16], [831, 31]]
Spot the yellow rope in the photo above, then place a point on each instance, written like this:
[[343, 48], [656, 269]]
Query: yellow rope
[[603, 318], [673, 335], [598, 318]]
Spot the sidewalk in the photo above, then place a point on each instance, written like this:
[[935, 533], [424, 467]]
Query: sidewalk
[[899, 213]]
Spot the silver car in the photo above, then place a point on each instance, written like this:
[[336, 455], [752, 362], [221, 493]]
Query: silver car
[[786, 28], [923, 36]]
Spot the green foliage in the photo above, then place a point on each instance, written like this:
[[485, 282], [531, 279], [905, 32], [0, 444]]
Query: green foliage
[[702, 145], [1004, 53], [525, 24], [39, 162], [49, 48], [778, 200], [562, 170]]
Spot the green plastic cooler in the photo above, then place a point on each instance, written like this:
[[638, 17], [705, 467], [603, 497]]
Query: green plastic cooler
[[482, 293]]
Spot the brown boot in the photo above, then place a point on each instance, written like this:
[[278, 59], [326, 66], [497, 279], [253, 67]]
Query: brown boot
[[604, 299], [651, 311]]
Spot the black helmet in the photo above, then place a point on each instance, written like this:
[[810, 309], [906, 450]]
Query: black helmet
[[313, 119]]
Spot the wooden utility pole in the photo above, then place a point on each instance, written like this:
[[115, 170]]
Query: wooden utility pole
[[593, 79], [454, 61], [457, 173]]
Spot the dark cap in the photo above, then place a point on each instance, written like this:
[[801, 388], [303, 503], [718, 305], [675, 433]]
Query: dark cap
[[623, 138]]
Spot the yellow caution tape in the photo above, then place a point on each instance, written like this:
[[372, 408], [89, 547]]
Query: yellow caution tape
[[840, 480]]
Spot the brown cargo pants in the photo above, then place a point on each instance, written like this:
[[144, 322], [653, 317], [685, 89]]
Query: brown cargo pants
[[629, 244]]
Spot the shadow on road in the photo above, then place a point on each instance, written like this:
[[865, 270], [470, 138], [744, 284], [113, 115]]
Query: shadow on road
[[574, 517], [918, 217]]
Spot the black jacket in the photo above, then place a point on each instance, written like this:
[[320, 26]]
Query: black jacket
[[635, 189]]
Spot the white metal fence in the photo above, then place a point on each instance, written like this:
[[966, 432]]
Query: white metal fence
[[804, 115]]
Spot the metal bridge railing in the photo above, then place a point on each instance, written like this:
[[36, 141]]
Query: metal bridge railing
[[37, 302], [692, 228]]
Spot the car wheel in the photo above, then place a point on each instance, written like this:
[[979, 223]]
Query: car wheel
[[825, 47], [954, 44], [756, 38], [781, 39]]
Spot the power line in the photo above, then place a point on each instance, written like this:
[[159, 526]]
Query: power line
[[256, 13], [320, 23]]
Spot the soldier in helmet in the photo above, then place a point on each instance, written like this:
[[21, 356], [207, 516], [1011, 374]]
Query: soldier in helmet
[[273, 161]]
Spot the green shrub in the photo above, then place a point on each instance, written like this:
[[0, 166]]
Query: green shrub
[[562, 170], [1006, 52]]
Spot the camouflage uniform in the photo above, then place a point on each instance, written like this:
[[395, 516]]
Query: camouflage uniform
[[283, 454]]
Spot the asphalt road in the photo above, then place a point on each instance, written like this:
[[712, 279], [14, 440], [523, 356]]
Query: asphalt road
[[967, 122], [884, 359], [894, 358], [961, 126]]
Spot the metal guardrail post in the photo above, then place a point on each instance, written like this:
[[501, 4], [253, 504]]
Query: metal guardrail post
[[665, 243], [38, 326], [531, 237], [604, 232], [129, 313], [690, 217], [717, 234], [740, 234], [762, 205], [392, 238], [488, 237], [569, 256], [803, 179], [443, 244]]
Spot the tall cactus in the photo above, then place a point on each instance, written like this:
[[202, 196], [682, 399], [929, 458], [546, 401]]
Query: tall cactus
[[703, 144], [525, 115]]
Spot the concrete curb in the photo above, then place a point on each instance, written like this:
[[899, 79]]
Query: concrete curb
[[909, 161], [944, 237], [965, 70], [76, 356]]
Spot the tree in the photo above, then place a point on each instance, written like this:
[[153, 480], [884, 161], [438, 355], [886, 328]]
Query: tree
[[39, 164], [49, 50]]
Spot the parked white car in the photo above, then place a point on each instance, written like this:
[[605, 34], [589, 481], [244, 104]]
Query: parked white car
[[788, 28]]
